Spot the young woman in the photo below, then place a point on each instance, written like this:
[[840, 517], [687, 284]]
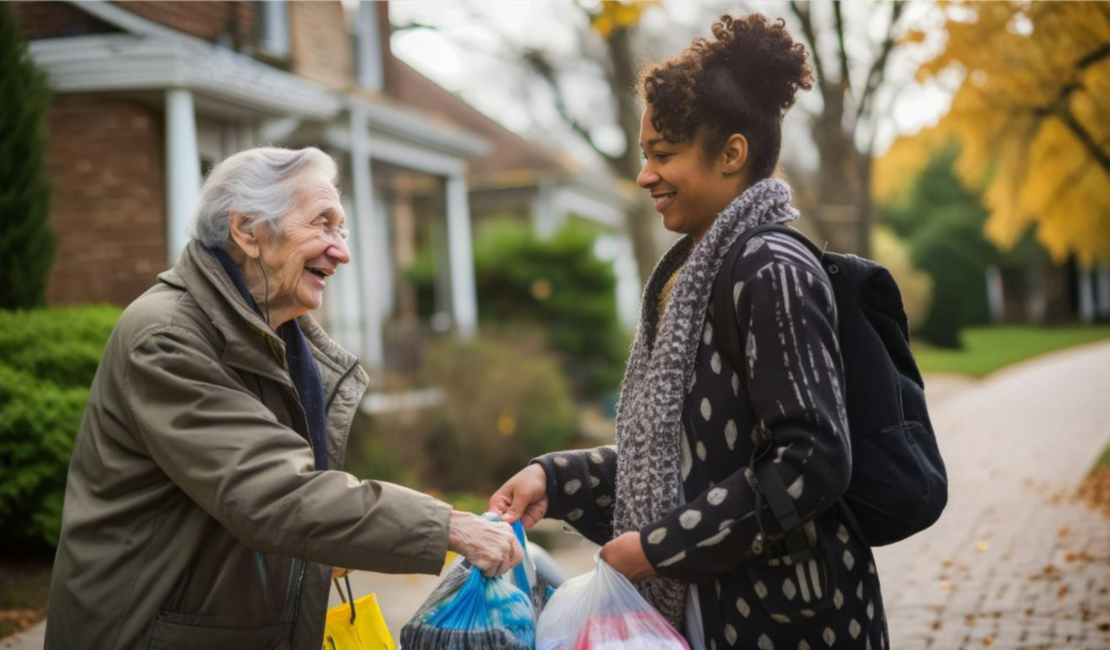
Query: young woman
[[674, 504]]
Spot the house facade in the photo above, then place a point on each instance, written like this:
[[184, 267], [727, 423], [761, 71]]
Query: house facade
[[148, 96]]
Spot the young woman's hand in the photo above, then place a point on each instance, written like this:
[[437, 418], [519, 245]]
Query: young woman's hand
[[626, 555], [523, 497], [489, 545]]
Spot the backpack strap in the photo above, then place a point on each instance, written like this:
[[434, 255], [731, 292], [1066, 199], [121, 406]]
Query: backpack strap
[[767, 481], [724, 309]]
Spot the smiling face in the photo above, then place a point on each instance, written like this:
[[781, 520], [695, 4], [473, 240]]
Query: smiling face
[[689, 188], [309, 250]]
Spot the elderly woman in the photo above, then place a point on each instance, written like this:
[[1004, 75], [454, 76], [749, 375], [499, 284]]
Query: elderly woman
[[205, 505]]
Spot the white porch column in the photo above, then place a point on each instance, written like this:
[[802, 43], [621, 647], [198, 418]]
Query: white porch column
[[1086, 295], [367, 241], [341, 301], [628, 284], [182, 170], [546, 218], [464, 297], [1102, 275]]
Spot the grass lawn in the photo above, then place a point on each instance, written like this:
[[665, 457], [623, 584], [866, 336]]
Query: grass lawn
[[987, 349], [1103, 460]]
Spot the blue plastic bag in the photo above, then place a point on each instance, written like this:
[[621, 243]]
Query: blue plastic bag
[[468, 611]]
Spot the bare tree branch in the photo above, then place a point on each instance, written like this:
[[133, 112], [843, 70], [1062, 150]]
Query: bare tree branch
[[878, 68], [845, 79], [1094, 57], [546, 71], [1097, 152], [811, 40]]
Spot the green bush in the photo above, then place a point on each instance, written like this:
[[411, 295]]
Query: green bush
[[558, 284], [47, 361], [505, 401], [943, 225]]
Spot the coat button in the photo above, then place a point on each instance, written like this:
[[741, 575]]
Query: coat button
[[834, 269]]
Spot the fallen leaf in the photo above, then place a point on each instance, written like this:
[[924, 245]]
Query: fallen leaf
[[1063, 592], [988, 641], [1064, 531], [949, 562], [981, 546], [945, 585]]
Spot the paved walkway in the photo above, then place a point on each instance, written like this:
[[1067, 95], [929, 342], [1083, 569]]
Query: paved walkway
[[1013, 563]]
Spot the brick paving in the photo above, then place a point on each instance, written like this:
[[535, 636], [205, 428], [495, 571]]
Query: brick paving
[[1014, 562]]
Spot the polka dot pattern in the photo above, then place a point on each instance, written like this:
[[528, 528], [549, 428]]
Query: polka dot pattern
[[769, 602]]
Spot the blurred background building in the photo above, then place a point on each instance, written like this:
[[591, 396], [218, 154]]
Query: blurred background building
[[150, 95]]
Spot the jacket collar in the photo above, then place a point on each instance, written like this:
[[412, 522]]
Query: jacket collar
[[250, 343]]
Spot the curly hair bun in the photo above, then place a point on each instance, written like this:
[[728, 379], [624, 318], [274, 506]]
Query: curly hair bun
[[761, 58]]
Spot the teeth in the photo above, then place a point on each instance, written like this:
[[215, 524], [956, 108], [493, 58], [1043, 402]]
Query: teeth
[[661, 199]]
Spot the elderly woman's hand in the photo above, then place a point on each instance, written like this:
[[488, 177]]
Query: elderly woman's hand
[[488, 545]]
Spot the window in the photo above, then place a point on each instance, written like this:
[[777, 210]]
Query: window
[[274, 27]]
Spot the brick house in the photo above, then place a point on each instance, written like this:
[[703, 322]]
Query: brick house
[[149, 95]]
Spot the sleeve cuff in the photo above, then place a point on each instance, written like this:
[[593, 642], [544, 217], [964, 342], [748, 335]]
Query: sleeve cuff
[[555, 508]]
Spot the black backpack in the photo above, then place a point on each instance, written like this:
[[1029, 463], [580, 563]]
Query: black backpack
[[898, 486]]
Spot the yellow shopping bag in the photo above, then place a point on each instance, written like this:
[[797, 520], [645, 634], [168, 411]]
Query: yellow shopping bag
[[356, 624]]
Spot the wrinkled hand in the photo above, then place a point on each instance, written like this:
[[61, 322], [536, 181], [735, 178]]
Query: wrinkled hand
[[523, 497], [340, 572], [489, 545], [626, 555]]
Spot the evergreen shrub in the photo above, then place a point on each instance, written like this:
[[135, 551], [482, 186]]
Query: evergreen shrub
[[48, 359], [26, 241]]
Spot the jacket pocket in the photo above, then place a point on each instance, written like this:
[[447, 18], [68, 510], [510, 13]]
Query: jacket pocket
[[173, 631]]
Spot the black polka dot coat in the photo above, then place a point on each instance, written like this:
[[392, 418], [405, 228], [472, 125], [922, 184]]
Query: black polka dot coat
[[794, 393]]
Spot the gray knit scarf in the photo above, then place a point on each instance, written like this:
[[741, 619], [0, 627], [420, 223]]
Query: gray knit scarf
[[649, 415]]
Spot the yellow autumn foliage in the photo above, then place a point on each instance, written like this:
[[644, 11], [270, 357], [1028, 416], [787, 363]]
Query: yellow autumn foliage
[[1032, 121], [615, 14], [892, 175]]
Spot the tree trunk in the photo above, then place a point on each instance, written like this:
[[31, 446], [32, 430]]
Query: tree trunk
[[866, 207], [624, 78], [838, 200]]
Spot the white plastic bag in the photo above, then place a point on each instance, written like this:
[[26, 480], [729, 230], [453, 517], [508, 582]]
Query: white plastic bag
[[601, 610]]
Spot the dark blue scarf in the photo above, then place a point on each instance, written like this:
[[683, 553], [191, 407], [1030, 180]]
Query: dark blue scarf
[[302, 367]]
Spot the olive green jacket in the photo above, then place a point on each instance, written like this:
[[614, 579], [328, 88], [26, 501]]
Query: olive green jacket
[[194, 517]]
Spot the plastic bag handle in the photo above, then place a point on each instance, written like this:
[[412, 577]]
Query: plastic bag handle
[[350, 599]]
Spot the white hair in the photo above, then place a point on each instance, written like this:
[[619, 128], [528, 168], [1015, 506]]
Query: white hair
[[260, 183]]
